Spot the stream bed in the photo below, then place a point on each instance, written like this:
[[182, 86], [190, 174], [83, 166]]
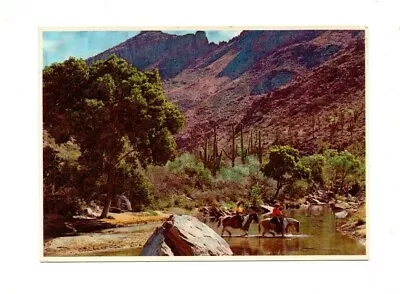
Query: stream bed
[[317, 236]]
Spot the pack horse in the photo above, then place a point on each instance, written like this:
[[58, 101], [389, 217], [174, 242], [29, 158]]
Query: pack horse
[[237, 222]]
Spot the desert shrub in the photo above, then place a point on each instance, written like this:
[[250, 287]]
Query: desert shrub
[[297, 189], [183, 202], [357, 148], [189, 165], [255, 195], [236, 174], [222, 191], [240, 173], [254, 167], [228, 205]]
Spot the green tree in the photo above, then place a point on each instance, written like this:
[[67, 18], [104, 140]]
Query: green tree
[[316, 164], [117, 115], [284, 167], [343, 167]]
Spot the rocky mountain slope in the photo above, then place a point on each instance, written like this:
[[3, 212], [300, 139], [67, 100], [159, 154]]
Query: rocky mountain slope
[[306, 87], [155, 49]]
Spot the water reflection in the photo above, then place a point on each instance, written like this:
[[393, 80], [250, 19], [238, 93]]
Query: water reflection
[[317, 236]]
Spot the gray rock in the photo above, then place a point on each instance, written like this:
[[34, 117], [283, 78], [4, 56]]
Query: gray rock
[[342, 205], [341, 214], [123, 203], [315, 200], [185, 236], [156, 246]]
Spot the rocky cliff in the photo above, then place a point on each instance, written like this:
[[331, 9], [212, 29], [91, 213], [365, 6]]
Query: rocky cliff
[[155, 49], [305, 85]]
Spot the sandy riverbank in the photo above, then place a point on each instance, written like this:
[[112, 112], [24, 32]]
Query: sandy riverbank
[[122, 231], [130, 237]]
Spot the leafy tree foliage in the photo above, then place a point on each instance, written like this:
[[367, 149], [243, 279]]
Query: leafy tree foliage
[[117, 115], [284, 167], [344, 168], [316, 163]]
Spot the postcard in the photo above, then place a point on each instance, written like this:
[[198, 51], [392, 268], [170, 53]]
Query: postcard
[[203, 144]]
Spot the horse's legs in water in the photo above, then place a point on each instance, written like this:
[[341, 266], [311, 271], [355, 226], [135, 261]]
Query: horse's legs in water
[[230, 234]]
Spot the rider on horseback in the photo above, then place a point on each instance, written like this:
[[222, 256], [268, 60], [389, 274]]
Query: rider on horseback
[[277, 217], [239, 211]]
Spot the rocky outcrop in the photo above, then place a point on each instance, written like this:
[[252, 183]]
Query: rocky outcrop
[[171, 54], [185, 236]]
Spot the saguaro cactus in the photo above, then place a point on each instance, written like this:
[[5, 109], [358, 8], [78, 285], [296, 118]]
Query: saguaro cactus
[[232, 156], [243, 153], [212, 162], [259, 151]]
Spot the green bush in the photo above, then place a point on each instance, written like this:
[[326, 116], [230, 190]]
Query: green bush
[[255, 195], [236, 174], [189, 165], [240, 173], [297, 189], [316, 163], [344, 169]]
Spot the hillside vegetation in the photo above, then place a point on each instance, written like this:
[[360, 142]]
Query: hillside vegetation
[[265, 116]]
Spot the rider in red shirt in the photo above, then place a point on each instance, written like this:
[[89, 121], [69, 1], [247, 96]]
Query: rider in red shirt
[[276, 211], [278, 216]]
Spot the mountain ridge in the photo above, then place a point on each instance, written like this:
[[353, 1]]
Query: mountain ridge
[[262, 79]]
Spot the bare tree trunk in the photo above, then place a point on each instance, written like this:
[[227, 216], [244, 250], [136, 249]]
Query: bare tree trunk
[[110, 194], [259, 148], [278, 188]]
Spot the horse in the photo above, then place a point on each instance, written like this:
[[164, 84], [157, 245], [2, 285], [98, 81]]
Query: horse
[[237, 222], [271, 227]]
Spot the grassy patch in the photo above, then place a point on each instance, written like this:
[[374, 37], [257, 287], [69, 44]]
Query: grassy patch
[[134, 218]]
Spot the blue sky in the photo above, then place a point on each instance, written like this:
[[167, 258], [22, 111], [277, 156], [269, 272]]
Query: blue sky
[[58, 46]]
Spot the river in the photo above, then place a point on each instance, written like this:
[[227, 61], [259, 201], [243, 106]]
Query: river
[[317, 236]]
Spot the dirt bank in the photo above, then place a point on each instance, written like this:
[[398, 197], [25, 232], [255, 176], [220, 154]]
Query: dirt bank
[[58, 226], [77, 237], [89, 244]]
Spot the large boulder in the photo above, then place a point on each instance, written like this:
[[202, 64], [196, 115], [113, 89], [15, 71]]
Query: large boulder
[[185, 236]]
